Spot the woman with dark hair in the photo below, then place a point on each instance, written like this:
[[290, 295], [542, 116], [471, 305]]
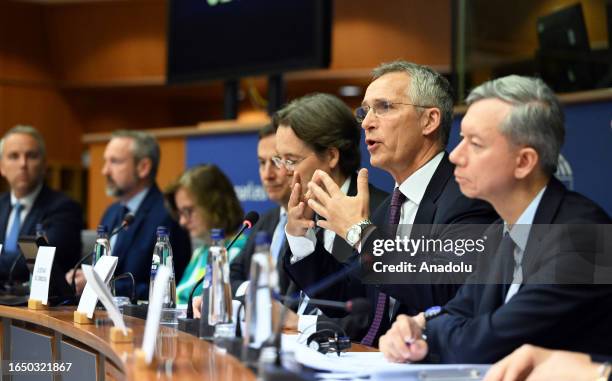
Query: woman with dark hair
[[203, 198]]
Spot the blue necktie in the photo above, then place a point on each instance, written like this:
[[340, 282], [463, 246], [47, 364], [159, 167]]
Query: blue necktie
[[279, 237], [10, 246]]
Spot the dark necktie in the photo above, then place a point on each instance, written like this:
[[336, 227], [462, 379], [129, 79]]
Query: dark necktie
[[395, 209], [505, 253]]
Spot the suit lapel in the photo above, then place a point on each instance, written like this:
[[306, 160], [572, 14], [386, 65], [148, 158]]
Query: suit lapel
[[126, 237], [36, 212], [5, 211], [544, 216], [427, 207]]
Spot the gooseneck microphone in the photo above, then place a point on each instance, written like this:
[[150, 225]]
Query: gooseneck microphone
[[357, 305], [250, 219], [125, 223]]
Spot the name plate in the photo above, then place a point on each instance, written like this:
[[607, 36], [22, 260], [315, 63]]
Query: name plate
[[39, 289], [105, 297], [160, 287], [105, 268]]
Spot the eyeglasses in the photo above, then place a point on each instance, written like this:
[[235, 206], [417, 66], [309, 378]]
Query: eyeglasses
[[380, 108], [289, 164], [186, 212]]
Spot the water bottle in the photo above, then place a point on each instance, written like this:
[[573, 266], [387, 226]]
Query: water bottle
[[102, 246], [220, 292], [162, 254], [41, 235], [259, 297]]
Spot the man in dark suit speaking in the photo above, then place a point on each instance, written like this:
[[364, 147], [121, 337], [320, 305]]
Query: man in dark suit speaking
[[131, 159], [31, 202], [406, 114], [512, 134]]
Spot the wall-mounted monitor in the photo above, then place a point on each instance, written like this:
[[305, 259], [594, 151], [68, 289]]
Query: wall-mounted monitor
[[226, 39]]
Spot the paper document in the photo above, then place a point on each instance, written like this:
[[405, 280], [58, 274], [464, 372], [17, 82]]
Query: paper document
[[374, 366]]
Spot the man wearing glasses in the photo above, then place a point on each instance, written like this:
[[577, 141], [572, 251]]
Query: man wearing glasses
[[406, 115], [318, 132]]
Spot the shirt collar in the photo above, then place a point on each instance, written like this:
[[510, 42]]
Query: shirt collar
[[415, 185], [345, 186], [134, 203], [520, 230], [28, 200]]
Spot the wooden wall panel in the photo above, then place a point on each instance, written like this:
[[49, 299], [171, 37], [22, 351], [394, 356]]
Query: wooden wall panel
[[101, 41], [23, 50], [171, 166], [46, 109], [367, 32]]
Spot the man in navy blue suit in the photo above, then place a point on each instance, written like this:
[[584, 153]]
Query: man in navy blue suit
[[512, 134], [31, 202], [131, 160]]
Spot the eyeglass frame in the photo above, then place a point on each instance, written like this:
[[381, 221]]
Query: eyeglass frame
[[377, 113], [288, 164]]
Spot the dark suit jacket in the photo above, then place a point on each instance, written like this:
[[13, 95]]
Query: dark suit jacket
[[442, 203], [63, 221], [134, 246], [480, 328]]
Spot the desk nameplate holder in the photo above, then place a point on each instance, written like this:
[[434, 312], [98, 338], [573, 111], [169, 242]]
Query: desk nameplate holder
[[119, 333], [39, 290]]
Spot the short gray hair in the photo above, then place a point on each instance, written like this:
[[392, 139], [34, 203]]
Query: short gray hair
[[27, 130], [427, 88], [536, 118], [145, 146]]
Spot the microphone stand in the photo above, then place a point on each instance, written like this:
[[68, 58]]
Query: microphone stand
[[127, 220]]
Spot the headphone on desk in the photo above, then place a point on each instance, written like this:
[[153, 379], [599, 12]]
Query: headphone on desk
[[329, 340]]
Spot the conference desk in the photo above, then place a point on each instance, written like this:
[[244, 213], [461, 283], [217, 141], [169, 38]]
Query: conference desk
[[51, 336]]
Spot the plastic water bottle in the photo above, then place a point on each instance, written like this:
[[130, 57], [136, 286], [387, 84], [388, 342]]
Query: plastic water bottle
[[102, 246], [220, 292], [162, 254], [259, 298]]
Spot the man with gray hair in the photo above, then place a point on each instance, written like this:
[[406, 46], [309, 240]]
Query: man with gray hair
[[512, 134], [30, 202], [406, 114], [131, 160]]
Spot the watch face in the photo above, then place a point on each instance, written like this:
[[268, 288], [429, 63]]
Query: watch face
[[352, 236]]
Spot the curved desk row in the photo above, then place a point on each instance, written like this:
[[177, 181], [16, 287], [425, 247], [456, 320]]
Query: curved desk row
[[47, 339]]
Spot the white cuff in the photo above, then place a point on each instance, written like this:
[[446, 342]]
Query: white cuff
[[242, 288], [301, 247]]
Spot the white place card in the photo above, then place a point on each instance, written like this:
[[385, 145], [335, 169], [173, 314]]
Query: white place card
[[39, 289], [154, 314], [105, 268], [105, 297]]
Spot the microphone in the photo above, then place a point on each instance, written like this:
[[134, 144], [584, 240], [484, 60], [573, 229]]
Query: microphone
[[125, 223], [250, 219], [357, 305]]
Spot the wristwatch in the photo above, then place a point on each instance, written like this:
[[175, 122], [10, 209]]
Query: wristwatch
[[353, 235]]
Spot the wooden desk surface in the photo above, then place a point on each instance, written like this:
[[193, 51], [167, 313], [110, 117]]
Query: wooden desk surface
[[195, 359]]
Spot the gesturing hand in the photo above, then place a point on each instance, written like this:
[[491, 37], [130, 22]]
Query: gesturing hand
[[339, 210], [299, 215]]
